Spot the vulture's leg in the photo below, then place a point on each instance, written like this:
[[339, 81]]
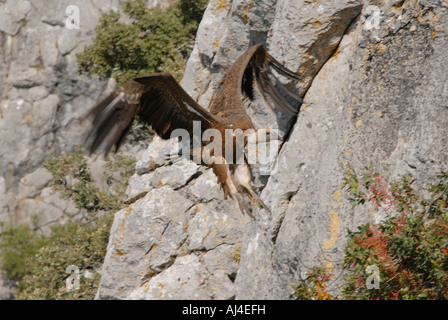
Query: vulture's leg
[[221, 170], [242, 178]]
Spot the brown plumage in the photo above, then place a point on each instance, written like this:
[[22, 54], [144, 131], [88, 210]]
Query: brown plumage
[[162, 103]]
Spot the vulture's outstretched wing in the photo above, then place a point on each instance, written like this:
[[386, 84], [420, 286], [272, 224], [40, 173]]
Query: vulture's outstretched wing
[[256, 65], [270, 87], [157, 99]]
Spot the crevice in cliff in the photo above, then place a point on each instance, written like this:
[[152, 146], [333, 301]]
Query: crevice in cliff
[[196, 175], [283, 206], [293, 120], [159, 269]]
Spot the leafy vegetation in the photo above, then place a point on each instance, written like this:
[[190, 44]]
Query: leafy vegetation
[[314, 286], [73, 179], [70, 245], [17, 244], [409, 248], [38, 263], [156, 40]]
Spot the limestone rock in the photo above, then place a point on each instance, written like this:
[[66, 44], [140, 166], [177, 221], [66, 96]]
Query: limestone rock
[[374, 102], [374, 76], [7, 288], [151, 240], [12, 14], [374, 84], [42, 97]]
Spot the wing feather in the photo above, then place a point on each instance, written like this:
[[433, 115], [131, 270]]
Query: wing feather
[[255, 65], [157, 100], [273, 96], [272, 90]]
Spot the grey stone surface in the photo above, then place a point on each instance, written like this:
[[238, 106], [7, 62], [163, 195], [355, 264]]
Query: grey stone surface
[[165, 236], [374, 88], [377, 102], [374, 83], [7, 288], [41, 96], [12, 14]]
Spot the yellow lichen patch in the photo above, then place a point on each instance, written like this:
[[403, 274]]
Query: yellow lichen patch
[[28, 117], [121, 228], [161, 286], [358, 123], [246, 8], [336, 52], [222, 222], [337, 195], [222, 5], [152, 164], [215, 44], [317, 23], [350, 111], [329, 265], [378, 48], [237, 254], [119, 253], [334, 228]]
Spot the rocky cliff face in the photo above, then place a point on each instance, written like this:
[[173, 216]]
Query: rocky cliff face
[[42, 96], [374, 84], [375, 89]]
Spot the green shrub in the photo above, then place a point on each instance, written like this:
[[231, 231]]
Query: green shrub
[[409, 248], [38, 263], [71, 245], [315, 285], [17, 243], [157, 40], [73, 179]]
